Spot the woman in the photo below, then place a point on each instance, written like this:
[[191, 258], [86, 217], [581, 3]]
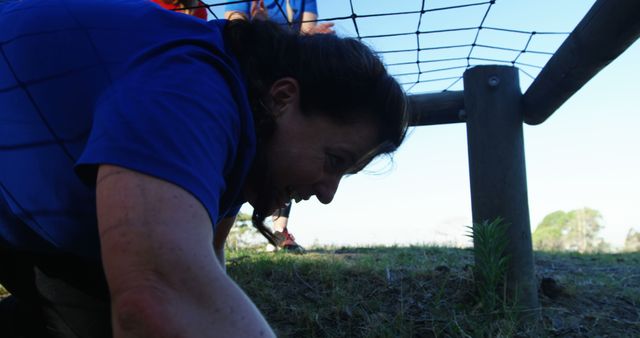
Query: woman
[[299, 16], [117, 171]]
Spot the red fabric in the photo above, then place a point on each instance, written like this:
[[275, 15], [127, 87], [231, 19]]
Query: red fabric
[[197, 12], [165, 5], [200, 12]]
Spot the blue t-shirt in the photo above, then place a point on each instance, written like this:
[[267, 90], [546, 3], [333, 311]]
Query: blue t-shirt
[[120, 82], [277, 10]]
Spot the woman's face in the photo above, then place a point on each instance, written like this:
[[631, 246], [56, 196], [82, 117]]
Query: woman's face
[[309, 154]]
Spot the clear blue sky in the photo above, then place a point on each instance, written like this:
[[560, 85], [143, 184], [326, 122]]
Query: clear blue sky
[[585, 155]]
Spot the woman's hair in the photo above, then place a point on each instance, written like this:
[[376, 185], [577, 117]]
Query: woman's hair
[[338, 77]]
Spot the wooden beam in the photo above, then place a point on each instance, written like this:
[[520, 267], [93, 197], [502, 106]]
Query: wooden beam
[[604, 33], [437, 108]]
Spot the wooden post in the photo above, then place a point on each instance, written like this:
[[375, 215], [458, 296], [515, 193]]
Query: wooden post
[[497, 171]]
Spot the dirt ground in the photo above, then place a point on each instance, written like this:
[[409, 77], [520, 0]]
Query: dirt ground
[[590, 296]]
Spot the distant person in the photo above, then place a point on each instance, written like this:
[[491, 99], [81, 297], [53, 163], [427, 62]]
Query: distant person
[[301, 16], [129, 138]]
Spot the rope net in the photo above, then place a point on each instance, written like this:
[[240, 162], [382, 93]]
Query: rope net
[[428, 44]]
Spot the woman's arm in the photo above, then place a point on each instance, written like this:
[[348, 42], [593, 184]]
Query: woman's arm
[[164, 278], [220, 237]]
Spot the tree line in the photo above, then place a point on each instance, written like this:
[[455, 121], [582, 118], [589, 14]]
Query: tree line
[[577, 230]]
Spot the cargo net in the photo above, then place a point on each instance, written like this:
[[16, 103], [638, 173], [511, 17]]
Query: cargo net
[[424, 45]]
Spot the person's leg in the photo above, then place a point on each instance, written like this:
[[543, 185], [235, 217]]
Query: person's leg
[[284, 238], [59, 296], [281, 219], [19, 314], [51, 295], [75, 298]]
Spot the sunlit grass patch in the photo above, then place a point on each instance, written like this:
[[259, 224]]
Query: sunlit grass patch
[[428, 291]]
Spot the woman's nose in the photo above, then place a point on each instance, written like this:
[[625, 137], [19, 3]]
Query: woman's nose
[[326, 189]]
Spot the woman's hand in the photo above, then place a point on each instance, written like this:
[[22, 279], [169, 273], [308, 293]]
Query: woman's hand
[[311, 26], [323, 28], [258, 12]]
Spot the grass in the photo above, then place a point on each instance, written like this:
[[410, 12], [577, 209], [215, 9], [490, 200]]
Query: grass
[[428, 291], [363, 292], [490, 267], [425, 291]]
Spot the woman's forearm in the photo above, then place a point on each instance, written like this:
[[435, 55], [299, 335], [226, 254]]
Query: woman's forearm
[[164, 311], [163, 276]]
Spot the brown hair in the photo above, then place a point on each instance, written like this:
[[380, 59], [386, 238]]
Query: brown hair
[[340, 77]]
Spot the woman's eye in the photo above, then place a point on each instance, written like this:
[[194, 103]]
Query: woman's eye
[[336, 163]]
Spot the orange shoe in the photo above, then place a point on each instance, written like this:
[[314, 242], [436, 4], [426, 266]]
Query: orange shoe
[[287, 242]]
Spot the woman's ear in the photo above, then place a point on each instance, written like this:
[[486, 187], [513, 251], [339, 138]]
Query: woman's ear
[[284, 93]]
